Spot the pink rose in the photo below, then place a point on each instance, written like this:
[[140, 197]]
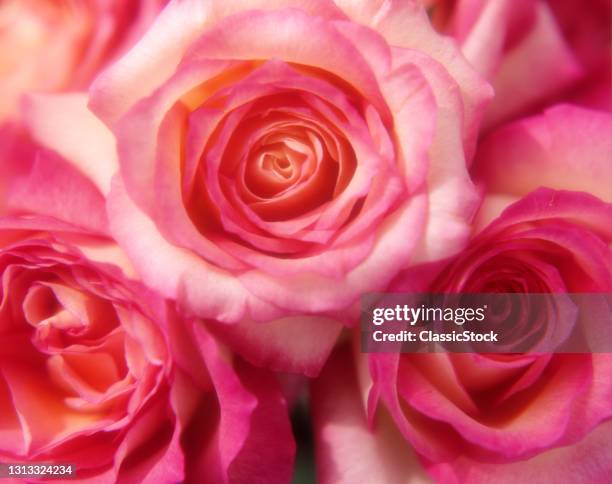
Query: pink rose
[[467, 414], [60, 45], [497, 418], [278, 160], [87, 377], [98, 371], [563, 47]]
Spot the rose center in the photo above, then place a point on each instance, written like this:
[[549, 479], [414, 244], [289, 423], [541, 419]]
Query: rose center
[[276, 165]]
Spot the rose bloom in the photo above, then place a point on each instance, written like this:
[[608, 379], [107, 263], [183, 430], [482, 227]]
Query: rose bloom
[[99, 372], [564, 48], [495, 418], [52, 45], [278, 159], [484, 418]]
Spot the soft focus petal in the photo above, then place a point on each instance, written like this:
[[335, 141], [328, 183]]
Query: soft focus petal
[[151, 61], [54, 188], [63, 123], [285, 344], [567, 148], [347, 448], [542, 57], [254, 436]]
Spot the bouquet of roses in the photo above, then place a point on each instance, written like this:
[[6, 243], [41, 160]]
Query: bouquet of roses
[[197, 194]]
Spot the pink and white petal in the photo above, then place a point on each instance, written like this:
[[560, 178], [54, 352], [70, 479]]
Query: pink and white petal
[[405, 24], [452, 197], [523, 432], [151, 61], [63, 123], [106, 252], [370, 43], [544, 58], [567, 148], [293, 344], [452, 204], [589, 460], [443, 130], [292, 36], [17, 152], [411, 94], [484, 37], [54, 188], [422, 435], [323, 8], [169, 213], [155, 57], [137, 132], [348, 449], [545, 203], [177, 273]]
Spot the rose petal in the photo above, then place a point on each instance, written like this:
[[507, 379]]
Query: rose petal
[[565, 148], [347, 449], [63, 123], [285, 344]]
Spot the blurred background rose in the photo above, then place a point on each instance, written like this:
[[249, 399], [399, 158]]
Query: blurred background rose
[[535, 52], [58, 45]]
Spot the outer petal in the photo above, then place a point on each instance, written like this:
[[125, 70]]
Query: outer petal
[[565, 148], [159, 52], [513, 436], [151, 60], [286, 344], [485, 28], [15, 147], [545, 203], [544, 58], [587, 461], [282, 35], [174, 272], [254, 435], [347, 450], [63, 123], [405, 24], [54, 188]]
